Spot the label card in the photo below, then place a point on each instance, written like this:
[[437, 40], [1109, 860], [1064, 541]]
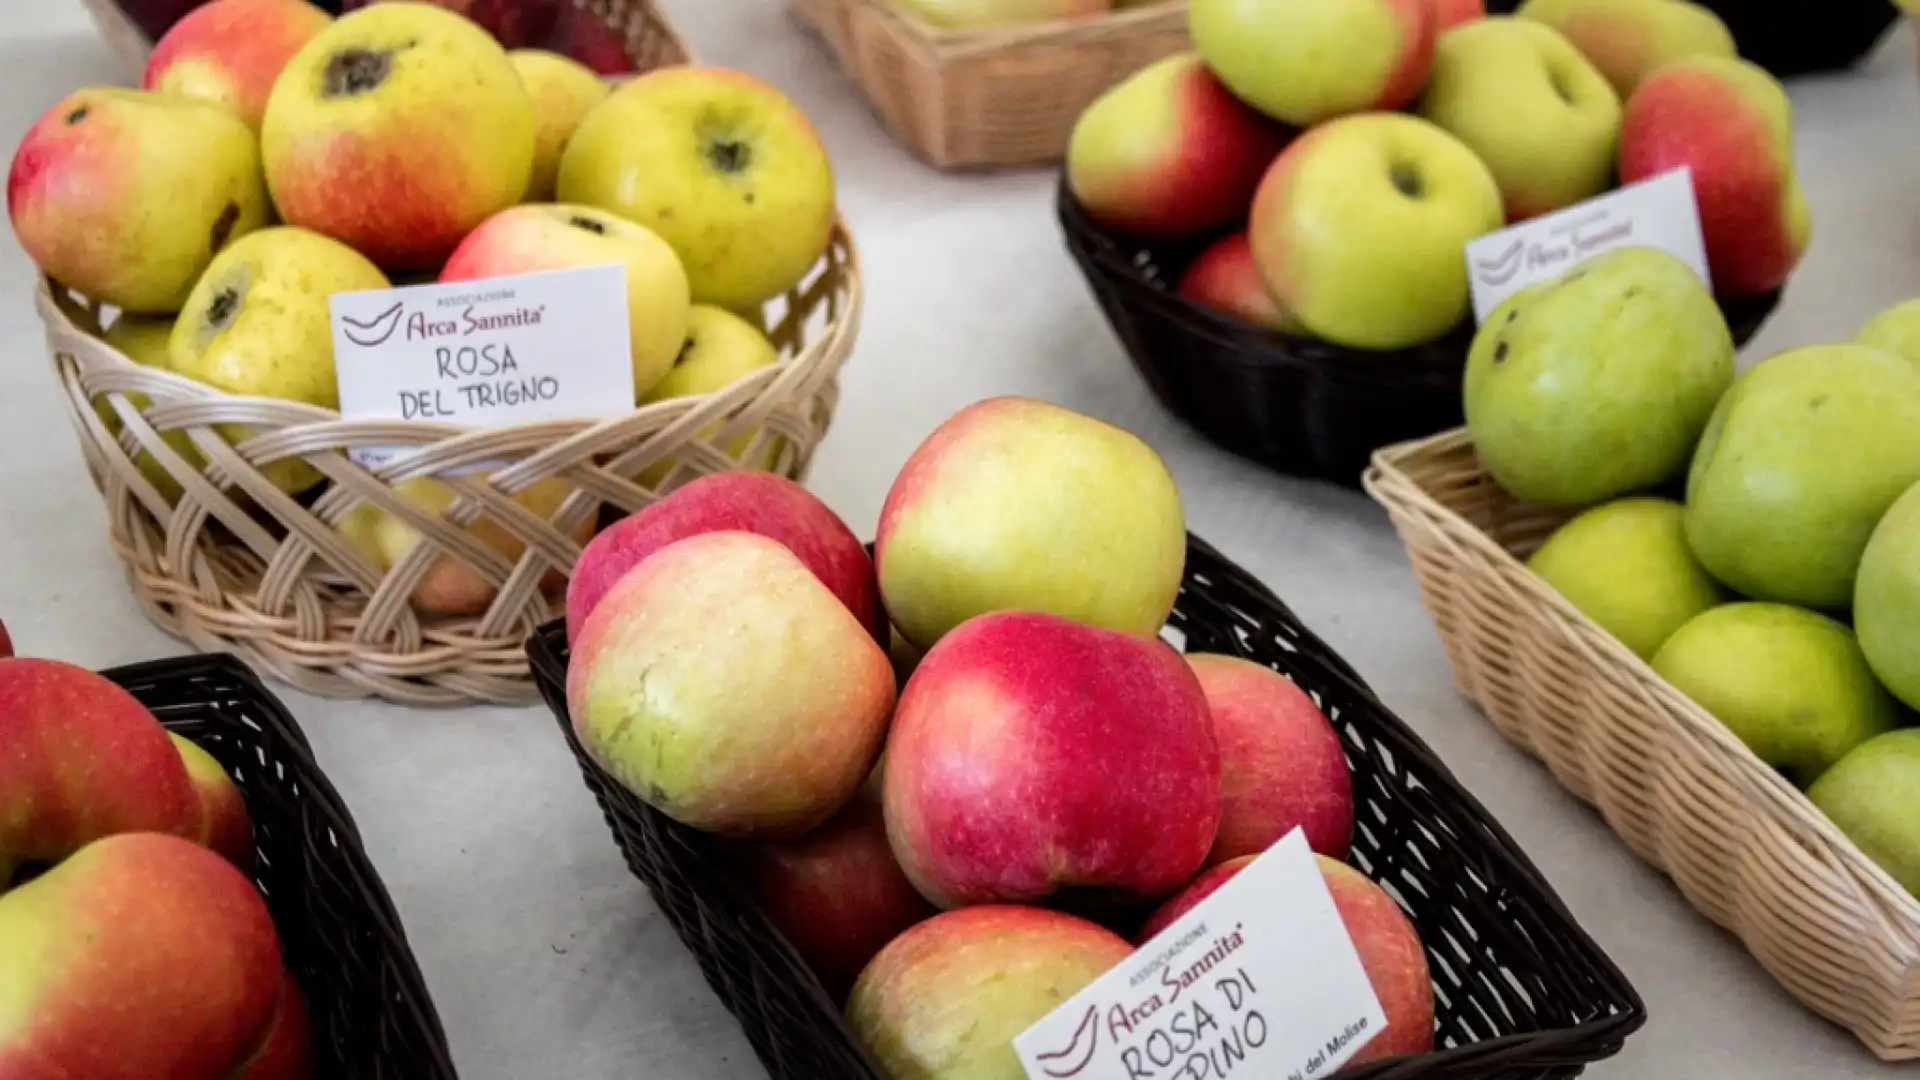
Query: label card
[[508, 350], [1658, 212], [1259, 981]]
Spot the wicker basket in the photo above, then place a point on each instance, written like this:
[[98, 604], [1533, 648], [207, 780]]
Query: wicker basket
[[1522, 992], [995, 97], [1744, 846], [372, 1017]]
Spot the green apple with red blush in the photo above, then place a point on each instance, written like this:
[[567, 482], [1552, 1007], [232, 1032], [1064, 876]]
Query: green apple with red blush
[[1629, 40], [1226, 278], [1303, 62], [231, 52]]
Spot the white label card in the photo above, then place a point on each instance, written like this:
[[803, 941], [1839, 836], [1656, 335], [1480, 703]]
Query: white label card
[[552, 345], [1259, 980], [1658, 212]]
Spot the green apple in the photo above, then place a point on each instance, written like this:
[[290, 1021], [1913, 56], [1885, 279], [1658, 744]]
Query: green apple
[[1897, 330], [1628, 39], [1306, 61], [563, 91], [1802, 457], [1535, 110], [1790, 683], [720, 349], [1359, 229], [1886, 598], [1873, 796], [1625, 565], [1598, 382]]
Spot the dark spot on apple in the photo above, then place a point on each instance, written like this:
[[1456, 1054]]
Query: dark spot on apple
[[1632, 291], [355, 71], [1819, 400], [1499, 351], [226, 304], [749, 198], [581, 221], [1512, 314], [1407, 180], [729, 156], [223, 226], [666, 213], [1558, 79], [78, 114]]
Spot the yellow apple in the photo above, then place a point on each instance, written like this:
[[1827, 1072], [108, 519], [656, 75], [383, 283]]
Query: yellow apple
[[720, 348], [563, 92]]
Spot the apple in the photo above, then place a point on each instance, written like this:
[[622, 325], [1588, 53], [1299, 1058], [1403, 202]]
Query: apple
[[725, 686], [229, 52], [1359, 227], [143, 339], [1630, 39], [563, 92], [1225, 277], [1032, 755], [723, 166], [1870, 795], [837, 893], [1729, 122], [96, 951], [1896, 329], [525, 239], [1282, 765], [397, 130], [945, 999], [1448, 14], [721, 348], [1169, 151], [580, 35], [225, 825], [1599, 382], [1791, 684], [1886, 598], [1390, 950], [1802, 457], [126, 196], [973, 14], [1525, 100], [1306, 61], [286, 1051], [258, 323], [741, 500], [1625, 565], [1017, 503], [513, 23]]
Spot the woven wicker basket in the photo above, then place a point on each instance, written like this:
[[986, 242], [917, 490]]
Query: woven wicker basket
[[1744, 846], [995, 97]]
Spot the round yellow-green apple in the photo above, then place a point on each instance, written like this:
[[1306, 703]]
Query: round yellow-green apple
[[225, 825], [1730, 123], [143, 339], [397, 130], [720, 348], [1802, 457], [737, 500], [258, 324], [1014, 503], [1896, 329], [84, 759], [1525, 100], [1282, 765], [723, 166], [723, 684], [945, 1000], [1625, 564], [1790, 683], [1169, 151], [972, 14], [1886, 598], [1629, 39], [1873, 796], [1033, 757], [1448, 14], [544, 236], [126, 196], [99, 950], [1225, 277], [1306, 61], [564, 91], [1360, 229], [230, 52], [1599, 382]]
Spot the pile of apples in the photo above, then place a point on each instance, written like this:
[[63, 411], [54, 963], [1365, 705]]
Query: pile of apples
[[278, 155], [135, 943], [974, 14], [1334, 157], [1753, 538], [956, 774]]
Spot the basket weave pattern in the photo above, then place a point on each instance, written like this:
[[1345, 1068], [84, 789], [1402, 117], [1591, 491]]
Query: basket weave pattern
[[1742, 844], [991, 97]]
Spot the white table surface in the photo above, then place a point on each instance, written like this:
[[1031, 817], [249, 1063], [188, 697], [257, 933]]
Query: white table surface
[[547, 959]]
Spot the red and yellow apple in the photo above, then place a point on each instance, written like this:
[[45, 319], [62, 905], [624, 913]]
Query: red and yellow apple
[[1306, 61], [286, 1053], [564, 91], [1225, 277], [225, 825], [1629, 40], [230, 52], [1448, 14]]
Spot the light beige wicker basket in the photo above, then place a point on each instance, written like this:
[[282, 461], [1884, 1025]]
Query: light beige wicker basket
[[1743, 845], [995, 97]]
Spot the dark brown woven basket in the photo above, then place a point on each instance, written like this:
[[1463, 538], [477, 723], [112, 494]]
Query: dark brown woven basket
[[1522, 992], [1296, 405], [372, 1016], [1794, 37]]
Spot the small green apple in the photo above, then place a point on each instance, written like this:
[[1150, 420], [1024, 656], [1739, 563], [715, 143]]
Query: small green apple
[[1897, 330], [1626, 566], [1873, 796], [1886, 598], [720, 349], [1790, 683]]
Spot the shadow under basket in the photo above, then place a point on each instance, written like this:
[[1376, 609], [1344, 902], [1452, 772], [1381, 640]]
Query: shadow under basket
[[1298, 406], [372, 1016], [1522, 992]]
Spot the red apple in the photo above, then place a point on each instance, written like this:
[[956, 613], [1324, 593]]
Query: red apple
[[1031, 754], [229, 52], [225, 825], [586, 38], [1451, 13], [1225, 277], [286, 1052], [1282, 765], [514, 24]]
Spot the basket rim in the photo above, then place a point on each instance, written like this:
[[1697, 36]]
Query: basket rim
[[957, 42]]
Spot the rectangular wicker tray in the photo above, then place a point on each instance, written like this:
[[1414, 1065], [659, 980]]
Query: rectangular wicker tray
[[1523, 993], [1744, 846]]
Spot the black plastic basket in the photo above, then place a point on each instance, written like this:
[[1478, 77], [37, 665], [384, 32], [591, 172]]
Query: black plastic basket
[[1299, 406], [1523, 993], [1794, 37], [372, 1017]]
